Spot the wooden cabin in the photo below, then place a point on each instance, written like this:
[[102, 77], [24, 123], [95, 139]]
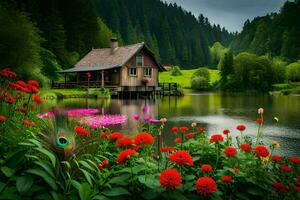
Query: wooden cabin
[[131, 68]]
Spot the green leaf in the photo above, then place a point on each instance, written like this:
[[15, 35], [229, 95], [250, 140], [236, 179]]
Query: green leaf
[[48, 179], [15, 159], [117, 191], [100, 197], [46, 167], [24, 183], [149, 194], [36, 143], [50, 155], [120, 180], [75, 184], [88, 176], [8, 172], [150, 181], [255, 191], [86, 165], [2, 186], [85, 191]]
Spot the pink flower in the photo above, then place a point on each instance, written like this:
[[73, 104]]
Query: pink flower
[[136, 116], [260, 111]]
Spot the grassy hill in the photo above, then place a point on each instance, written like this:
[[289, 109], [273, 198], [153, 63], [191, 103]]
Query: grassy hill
[[185, 79]]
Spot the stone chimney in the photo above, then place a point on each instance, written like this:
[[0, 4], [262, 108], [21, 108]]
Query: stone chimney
[[113, 45]]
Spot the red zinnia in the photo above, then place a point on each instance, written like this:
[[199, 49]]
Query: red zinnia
[[115, 136], [190, 135], [177, 140], [80, 130], [216, 138], [200, 129], [298, 178], [276, 158], [124, 142], [124, 155], [37, 99], [236, 170], [246, 147], [226, 131], [181, 158], [166, 149], [279, 186], [206, 186], [183, 129], [285, 168], [206, 168], [241, 127], [143, 139], [105, 163], [174, 129], [27, 122], [33, 83], [2, 118], [104, 134], [294, 160], [226, 179], [261, 151], [170, 178], [259, 120], [230, 151]]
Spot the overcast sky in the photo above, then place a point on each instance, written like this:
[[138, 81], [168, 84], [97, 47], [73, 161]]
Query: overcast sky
[[230, 13]]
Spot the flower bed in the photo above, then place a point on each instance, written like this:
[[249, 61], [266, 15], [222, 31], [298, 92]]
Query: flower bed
[[49, 158]]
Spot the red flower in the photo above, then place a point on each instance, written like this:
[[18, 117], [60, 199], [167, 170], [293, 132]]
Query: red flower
[[216, 138], [246, 147], [105, 163], [10, 99], [230, 151], [295, 187], [104, 134], [22, 109], [298, 178], [33, 83], [241, 127], [285, 168], [183, 129], [200, 129], [261, 151], [276, 158], [166, 149], [294, 160], [136, 148], [37, 99], [170, 178], [7, 72], [226, 179], [115, 136], [190, 135], [80, 130], [226, 131], [143, 139], [124, 155], [206, 168], [27, 122], [279, 186], [236, 170], [2, 118], [206, 186], [33, 89], [174, 129], [177, 140], [88, 74], [259, 120], [124, 142], [181, 158]]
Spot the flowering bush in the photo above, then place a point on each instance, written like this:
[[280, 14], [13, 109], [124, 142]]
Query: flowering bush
[[98, 163]]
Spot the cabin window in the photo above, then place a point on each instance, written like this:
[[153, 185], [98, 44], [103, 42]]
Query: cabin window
[[132, 71], [148, 71], [139, 60]]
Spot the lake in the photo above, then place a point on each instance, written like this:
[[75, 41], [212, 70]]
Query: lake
[[213, 111]]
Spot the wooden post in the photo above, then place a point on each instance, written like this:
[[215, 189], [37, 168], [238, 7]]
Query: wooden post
[[102, 78], [65, 79]]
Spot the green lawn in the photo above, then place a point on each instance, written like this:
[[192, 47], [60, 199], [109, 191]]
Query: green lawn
[[185, 79]]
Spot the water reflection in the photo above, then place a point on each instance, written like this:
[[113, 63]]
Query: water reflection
[[213, 111]]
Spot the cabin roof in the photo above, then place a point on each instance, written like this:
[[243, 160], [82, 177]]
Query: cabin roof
[[102, 59]]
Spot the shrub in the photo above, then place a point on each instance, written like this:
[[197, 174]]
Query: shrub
[[202, 72], [199, 83], [176, 71], [293, 71]]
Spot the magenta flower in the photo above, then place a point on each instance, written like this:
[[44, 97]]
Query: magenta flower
[[81, 112], [136, 116], [103, 120], [147, 118], [146, 109], [45, 115], [152, 121]]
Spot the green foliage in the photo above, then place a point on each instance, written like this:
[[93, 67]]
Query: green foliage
[[176, 71], [50, 65], [202, 71], [217, 51], [280, 70], [293, 71], [226, 67], [276, 34], [199, 83]]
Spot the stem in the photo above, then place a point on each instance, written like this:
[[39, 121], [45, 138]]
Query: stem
[[217, 146]]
